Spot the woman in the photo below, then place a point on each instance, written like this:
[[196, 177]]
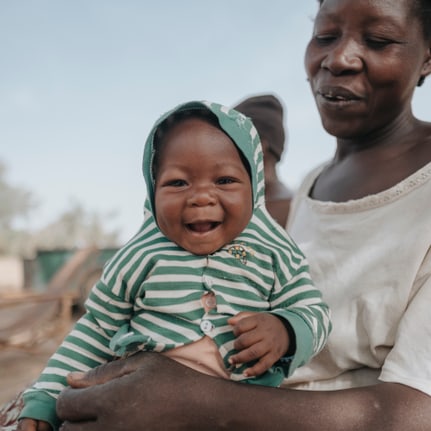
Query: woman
[[368, 214]]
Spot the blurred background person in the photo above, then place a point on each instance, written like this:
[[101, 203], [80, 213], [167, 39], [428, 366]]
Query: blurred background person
[[267, 113]]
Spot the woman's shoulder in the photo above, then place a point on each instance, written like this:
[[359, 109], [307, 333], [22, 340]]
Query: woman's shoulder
[[309, 179]]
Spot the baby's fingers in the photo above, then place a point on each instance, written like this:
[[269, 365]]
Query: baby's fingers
[[27, 424], [264, 363], [253, 352]]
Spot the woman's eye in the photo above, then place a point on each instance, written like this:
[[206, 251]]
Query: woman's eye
[[378, 43], [324, 39]]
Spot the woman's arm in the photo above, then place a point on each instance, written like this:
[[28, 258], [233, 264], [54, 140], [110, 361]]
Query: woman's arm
[[150, 391]]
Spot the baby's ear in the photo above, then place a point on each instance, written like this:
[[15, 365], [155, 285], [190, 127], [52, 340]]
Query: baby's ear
[[265, 145]]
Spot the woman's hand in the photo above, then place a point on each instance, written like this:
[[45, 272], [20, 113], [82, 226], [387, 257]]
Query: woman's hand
[[145, 391]]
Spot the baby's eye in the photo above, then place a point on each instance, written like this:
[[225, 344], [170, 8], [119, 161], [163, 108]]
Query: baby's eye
[[175, 183], [226, 180]]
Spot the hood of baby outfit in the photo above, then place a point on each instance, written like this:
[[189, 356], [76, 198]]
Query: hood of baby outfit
[[237, 126]]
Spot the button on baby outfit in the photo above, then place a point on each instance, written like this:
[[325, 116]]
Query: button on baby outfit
[[206, 326]]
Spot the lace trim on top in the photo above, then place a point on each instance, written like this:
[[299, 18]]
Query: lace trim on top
[[394, 193]]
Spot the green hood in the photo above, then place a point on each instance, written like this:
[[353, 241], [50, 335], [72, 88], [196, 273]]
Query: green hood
[[237, 126]]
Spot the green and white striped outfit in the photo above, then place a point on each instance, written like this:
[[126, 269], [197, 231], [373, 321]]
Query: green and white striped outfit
[[149, 296]]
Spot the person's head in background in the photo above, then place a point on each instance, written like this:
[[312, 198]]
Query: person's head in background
[[266, 112]]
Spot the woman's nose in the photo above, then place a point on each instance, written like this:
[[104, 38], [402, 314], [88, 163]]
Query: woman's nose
[[345, 57]]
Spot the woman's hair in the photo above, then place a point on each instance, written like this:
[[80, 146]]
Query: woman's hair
[[422, 10], [178, 117]]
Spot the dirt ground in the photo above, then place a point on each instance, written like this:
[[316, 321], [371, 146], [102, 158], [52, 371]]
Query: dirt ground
[[18, 367]]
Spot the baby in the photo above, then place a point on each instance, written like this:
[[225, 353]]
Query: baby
[[210, 279]]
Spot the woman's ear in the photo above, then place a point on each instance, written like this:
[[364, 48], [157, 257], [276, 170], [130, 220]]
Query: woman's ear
[[426, 68]]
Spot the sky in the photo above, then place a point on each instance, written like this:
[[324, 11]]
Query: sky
[[83, 81]]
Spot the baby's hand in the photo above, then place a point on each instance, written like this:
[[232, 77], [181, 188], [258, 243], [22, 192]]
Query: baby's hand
[[260, 336], [28, 424]]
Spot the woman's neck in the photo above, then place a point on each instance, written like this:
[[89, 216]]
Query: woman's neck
[[373, 163], [395, 138]]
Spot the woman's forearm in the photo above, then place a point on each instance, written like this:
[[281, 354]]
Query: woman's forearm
[[382, 407], [150, 391]]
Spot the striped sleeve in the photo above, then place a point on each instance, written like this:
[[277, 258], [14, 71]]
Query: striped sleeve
[[294, 296]]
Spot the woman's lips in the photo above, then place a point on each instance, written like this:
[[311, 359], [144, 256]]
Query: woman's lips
[[338, 99], [337, 94]]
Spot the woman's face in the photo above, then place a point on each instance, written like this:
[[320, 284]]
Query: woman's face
[[364, 62]]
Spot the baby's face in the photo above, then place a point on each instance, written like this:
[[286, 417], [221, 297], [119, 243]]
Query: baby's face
[[203, 194]]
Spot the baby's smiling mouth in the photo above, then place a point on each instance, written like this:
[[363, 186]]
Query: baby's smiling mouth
[[202, 227]]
